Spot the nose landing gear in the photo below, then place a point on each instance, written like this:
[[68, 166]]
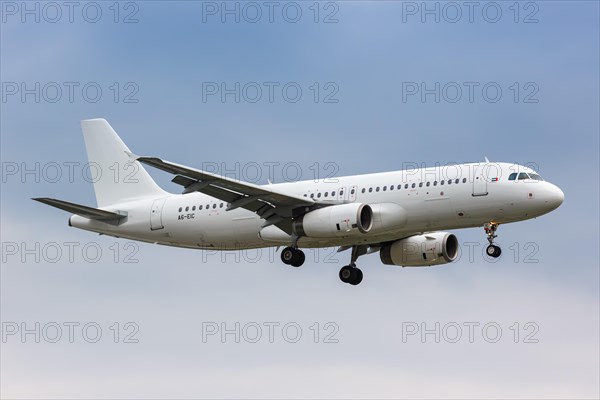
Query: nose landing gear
[[490, 229]]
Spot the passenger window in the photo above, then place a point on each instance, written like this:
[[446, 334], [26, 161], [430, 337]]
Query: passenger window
[[464, 180], [214, 205], [341, 192], [200, 207], [427, 184], [391, 187], [434, 183], [352, 191], [370, 189], [363, 190], [420, 184], [449, 181], [312, 195], [384, 188], [319, 195], [207, 206], [441, 182], [413, 185], [180, 209], [377, 189], [406, 186], [193, 208], [456, 181], [305, 195], [326, 194], [512, 176], [187, 209], [399, 187], [221, 205]]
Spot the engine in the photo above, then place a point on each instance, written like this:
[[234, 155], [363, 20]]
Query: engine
[[388, 217], [354, 219], [421, 250]]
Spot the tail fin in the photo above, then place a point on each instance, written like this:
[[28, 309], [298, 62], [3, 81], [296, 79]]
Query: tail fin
[[116, 177]]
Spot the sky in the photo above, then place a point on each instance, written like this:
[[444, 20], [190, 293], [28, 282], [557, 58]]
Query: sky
[[296, 90]]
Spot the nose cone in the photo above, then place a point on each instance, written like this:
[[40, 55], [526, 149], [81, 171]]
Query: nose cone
[[554, 197]]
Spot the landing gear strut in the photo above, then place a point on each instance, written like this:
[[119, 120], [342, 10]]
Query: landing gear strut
[[490, 229], [351, 273]]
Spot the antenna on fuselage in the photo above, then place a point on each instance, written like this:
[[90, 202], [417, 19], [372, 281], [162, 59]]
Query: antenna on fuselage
[[486, 160]]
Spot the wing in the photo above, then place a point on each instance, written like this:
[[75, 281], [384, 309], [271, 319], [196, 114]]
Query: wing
[[275, 207]]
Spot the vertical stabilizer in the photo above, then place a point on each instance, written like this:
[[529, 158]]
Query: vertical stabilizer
[[116, 177]]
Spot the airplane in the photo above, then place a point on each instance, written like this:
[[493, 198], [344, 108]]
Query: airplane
[[404, 215]]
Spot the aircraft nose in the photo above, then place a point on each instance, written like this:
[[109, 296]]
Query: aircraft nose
[[555, 196]]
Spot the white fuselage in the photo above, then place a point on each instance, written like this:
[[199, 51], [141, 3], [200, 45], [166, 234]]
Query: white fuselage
[[478, 193]]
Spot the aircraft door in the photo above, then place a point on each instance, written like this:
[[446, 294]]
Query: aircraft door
[[352, 193], [342, 194], [156, 214], [480, 180]]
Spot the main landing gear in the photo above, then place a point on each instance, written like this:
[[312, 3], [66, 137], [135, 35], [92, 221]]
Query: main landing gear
[[351, 273], [490, 229], [292, 256]]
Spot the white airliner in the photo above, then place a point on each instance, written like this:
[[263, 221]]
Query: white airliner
[[401, 214]]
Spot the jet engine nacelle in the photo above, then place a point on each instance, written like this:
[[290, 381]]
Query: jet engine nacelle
[[421, 250], [354, 219], [388, 217]]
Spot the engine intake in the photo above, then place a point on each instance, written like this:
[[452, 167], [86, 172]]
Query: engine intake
[[346, 220], [421, 250]]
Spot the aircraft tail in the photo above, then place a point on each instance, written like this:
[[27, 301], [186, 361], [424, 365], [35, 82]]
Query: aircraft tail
[[116, 176]]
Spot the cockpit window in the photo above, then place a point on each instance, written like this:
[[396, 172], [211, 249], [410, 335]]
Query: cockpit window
[[512, 176], [535, 177], [523, 175]]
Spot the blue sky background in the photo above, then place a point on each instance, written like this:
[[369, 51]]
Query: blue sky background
[[368, 54]]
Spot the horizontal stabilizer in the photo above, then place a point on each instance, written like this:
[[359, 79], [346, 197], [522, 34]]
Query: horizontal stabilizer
[[84, 211]]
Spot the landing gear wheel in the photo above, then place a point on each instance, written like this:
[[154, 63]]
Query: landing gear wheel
[[287, 255], [292, 256], [358, 277], [298, 258], [350, 274], [346, 274], [493, 251]]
